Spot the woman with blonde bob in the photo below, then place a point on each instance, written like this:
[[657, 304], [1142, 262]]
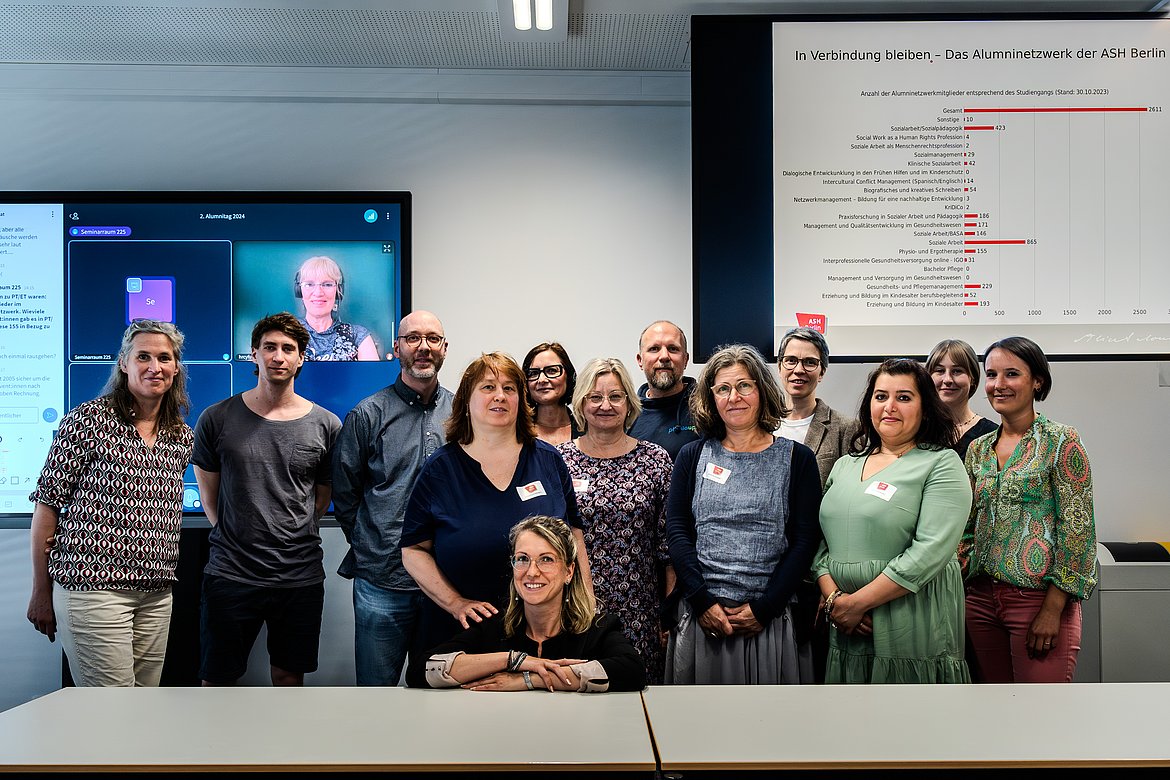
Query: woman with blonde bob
[[491, 473], [741, 523], [320, 286], [621, 485], [549, 636]]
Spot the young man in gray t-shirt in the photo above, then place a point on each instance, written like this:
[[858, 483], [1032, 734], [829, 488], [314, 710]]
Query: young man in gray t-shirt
[[262, 460]]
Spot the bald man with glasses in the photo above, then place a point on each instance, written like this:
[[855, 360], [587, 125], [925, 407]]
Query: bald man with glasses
[[383, 443]]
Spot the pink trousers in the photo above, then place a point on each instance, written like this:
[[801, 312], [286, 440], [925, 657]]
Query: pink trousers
[[998, 617]]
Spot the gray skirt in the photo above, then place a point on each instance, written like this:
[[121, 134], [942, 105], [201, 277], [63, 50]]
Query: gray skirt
[[768, 658]]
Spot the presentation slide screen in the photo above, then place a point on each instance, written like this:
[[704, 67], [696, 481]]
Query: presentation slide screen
[[973, 179], [77, 268]]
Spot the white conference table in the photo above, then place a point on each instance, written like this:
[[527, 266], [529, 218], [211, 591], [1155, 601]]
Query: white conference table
[[324, 729], [910, 726]]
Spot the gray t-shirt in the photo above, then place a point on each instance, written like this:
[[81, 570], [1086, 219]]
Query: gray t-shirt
[[268, 474]]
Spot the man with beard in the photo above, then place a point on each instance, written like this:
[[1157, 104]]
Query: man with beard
[[381, 448], [666, 414]]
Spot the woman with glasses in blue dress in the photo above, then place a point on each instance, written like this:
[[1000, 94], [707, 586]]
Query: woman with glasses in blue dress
[[741, 525], [548, 638]]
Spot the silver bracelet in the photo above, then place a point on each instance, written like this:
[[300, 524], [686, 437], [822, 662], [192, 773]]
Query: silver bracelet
[[528, 679]]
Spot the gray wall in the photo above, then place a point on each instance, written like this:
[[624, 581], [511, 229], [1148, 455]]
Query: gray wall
[[532, 222]]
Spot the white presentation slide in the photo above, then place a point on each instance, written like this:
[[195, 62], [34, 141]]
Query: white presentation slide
[[32, 324], [974, 180]]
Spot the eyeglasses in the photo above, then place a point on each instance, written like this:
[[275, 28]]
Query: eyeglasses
[[743, 388], [414, 339], [545, 563], [552, 372], [809, 363], [616, 398], [326, 286]]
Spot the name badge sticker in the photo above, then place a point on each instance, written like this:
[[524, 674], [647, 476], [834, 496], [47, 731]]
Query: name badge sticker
[[531, 490], [717, 474], [581, 485], [883, 490]]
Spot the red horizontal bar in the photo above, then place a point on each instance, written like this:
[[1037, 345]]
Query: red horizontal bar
[[970, 224], [978, 127], [1007, 241], [970, 216], [968, 251], [968, 232], [971, 286], [1065, 110], [970, 303]]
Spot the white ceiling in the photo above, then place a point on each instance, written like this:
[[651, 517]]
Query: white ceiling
[[604, 35]]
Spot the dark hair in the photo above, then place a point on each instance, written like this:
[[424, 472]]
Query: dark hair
[[570, 372], [175, 402], [1029, 352], [703, 408], [959, 352], [458, 427], [810, 335], [282, 322], [936, 431]]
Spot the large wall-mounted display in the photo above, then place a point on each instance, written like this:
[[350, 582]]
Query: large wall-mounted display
[[954, 178], [76, 268]]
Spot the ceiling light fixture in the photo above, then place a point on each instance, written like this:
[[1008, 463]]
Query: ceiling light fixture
[[522, 14], [544, 14], [533, 21]]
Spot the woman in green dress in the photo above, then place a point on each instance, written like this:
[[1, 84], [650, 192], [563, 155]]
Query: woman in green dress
[[893, 512]]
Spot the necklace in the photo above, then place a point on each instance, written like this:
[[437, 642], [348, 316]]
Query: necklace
[[968, 421], [897, 455]]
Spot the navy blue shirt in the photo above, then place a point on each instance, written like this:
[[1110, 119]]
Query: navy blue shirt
[[468, 518]]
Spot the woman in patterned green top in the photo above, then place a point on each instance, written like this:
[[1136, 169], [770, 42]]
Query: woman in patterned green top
[[1030, 548]]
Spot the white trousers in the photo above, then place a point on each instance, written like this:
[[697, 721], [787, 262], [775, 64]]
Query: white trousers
[[113, 638]]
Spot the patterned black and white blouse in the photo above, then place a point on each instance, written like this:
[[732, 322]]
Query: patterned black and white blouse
[[121, 502]]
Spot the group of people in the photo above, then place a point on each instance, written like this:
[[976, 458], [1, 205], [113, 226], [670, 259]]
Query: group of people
[[728, 529]]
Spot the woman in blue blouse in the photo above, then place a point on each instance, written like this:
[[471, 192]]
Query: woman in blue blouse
[[492, 473], [741, 523]]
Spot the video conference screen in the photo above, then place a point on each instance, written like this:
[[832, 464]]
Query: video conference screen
[[76, 268]]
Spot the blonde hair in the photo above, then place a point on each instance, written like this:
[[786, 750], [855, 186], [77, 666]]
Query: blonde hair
[[595, 369], [579, 608]]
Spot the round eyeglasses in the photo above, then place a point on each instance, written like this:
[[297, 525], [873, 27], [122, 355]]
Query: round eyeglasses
[[545, 563], [743, 388], [809, 363], [414, 339]]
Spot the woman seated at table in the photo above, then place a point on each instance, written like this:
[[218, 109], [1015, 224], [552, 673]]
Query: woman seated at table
[[491, 473], [549, 637], [892, 515], [955, 370], [741, 523], [551, 382]]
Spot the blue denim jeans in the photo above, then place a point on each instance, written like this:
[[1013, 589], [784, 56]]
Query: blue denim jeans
[[385, 623]]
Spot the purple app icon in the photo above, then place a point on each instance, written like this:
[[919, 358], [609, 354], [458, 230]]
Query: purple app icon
[[150, 298]]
